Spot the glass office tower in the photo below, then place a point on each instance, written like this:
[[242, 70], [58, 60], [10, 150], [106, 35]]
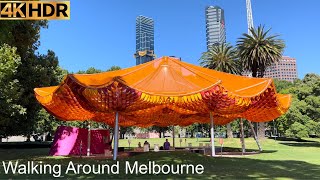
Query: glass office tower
[[144, 40]]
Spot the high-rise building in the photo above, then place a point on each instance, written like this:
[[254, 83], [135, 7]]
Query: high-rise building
[[285, 69], [215, 26], [144, 40]]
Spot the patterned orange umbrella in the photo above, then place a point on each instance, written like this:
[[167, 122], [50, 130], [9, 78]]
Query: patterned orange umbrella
[[163, 92]]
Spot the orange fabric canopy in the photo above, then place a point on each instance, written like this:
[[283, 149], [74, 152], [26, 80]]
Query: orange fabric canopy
[[163, 92]]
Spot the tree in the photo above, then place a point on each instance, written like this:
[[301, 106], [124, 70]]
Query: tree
[[126, 130], [24, 35], [303, 117], [257, 51], [159, 130], [282, 85], [192, 129], [41, 70], [90, 70], [222, 57], [9, 91], [297, 130], [114, 68]]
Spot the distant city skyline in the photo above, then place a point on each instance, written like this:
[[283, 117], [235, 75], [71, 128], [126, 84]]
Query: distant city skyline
[[215, 26], [144, 39], [109, 38]]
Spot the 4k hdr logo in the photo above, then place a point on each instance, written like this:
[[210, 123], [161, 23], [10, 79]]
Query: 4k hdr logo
[[34, 10]]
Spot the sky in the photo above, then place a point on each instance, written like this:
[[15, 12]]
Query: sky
[[101, 33]]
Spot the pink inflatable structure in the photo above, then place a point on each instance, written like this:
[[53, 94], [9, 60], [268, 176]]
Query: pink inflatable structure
[[74, 141]]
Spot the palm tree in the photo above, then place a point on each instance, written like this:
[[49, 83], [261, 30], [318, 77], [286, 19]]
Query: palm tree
[[257, 51], [223, 58]]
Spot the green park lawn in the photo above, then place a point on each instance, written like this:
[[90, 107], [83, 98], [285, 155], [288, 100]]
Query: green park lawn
[[279, 160]]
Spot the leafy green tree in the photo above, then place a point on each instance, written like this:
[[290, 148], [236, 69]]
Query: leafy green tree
[[297, 130], [90, 70], [126, 130], [282, 85], [44, 71], [114, 68], [192, 129], [10, 107], [40, 71], [257, 51], [24, 35], [93, 70], [159, 130], [303, 118]]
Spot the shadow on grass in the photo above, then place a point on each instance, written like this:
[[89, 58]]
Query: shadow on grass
[[15, 154], [302, 144], [243, 168], [231, 149], [217, 167], [202, 140], [24, 145], [231, 168], [291, 139]]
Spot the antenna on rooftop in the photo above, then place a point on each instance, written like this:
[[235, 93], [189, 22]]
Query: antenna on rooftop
[[249, 16]]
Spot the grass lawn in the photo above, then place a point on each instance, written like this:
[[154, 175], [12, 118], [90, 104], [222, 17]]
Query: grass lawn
[[280, 160]]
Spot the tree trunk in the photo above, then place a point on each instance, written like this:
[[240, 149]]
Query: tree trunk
[[160, 134], [163, 134], [261, 130], [229, 131]]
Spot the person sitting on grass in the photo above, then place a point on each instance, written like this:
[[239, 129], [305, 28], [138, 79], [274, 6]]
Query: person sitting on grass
[[166, 145], [146, 143]]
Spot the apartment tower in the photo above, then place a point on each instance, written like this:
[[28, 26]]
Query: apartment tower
[[215, 26]]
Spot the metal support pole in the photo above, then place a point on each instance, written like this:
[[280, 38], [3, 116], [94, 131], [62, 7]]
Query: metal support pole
[[173, 144], [116, 133], [197, 133], [213, 152], [255, 136], [242, 137], [89, 138]]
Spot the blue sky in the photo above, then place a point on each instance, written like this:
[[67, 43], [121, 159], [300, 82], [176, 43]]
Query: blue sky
[[102, 33]]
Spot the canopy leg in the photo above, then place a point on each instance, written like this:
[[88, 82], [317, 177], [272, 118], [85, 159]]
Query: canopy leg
[[255, 136], [89, 139], [173, 144], [242, 137], [116, 133], [213, 152]]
